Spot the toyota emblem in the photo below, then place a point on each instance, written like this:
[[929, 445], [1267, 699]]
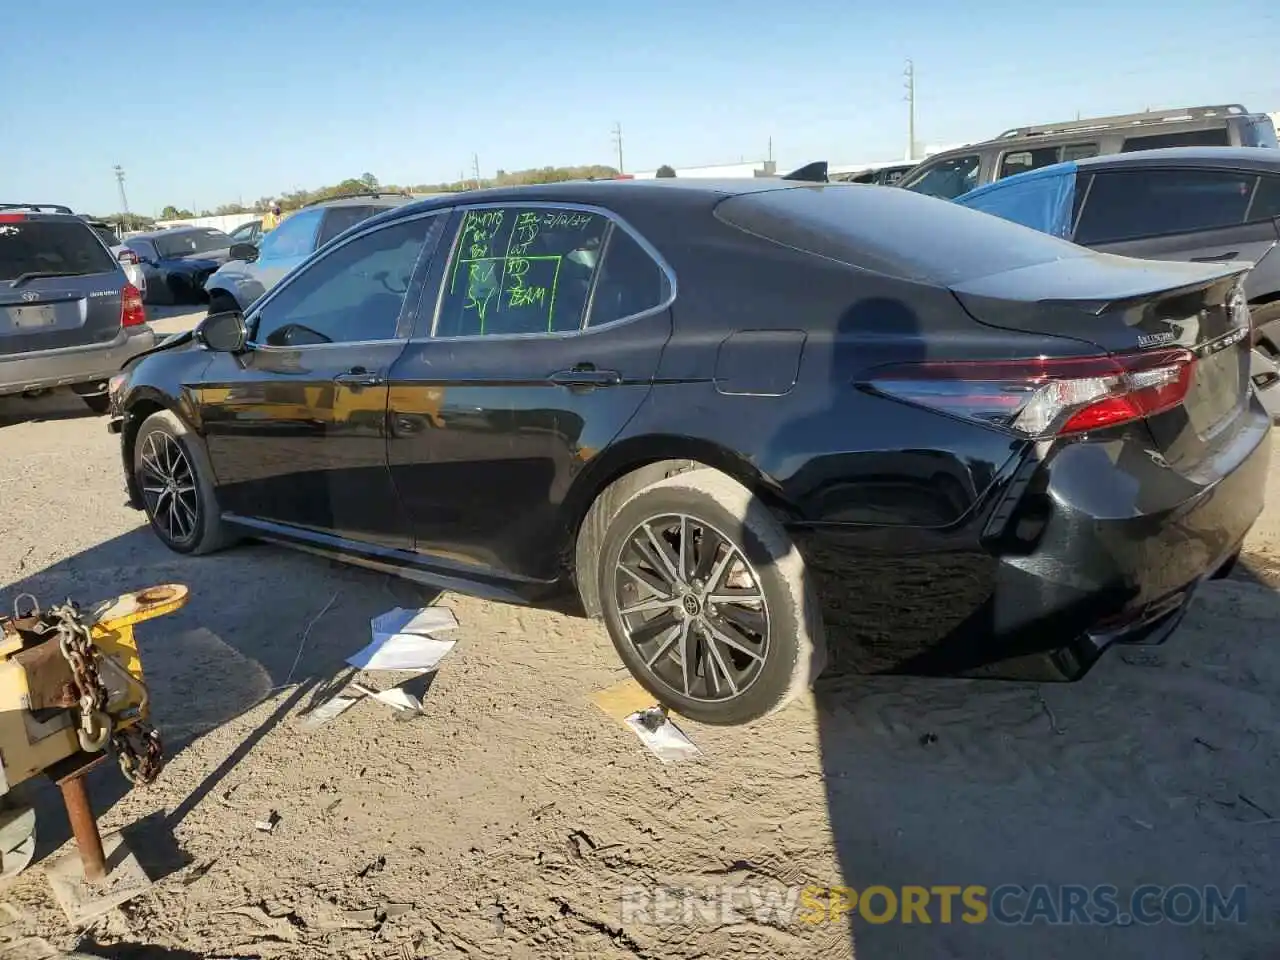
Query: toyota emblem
[[29, 296]]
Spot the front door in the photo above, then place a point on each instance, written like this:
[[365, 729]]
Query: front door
[[550, 325], [296, 425]]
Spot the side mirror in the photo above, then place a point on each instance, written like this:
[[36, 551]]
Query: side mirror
[[223, 332], [244, 251]]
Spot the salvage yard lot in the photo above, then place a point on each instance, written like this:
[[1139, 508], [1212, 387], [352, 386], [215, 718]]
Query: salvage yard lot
[[511, 819]]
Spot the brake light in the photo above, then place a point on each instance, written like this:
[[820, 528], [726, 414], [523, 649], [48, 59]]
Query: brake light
[[12, 217], [1045, 396], [127, 256], [132, 312]]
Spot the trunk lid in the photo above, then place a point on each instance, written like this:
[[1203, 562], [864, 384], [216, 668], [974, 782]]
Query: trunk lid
[[59, 285], [1126, 306]]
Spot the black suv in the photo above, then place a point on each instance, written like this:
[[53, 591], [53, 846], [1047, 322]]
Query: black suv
[[256, 268], [955, 172]]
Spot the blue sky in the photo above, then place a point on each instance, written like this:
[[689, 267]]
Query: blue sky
[[215, 103]]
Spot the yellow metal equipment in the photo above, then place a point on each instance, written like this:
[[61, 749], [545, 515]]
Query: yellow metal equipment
[[71, 689]]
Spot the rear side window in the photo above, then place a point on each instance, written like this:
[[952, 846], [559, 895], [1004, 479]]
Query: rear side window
[[1125, 205], [338, 219], [66, 247], [107, 235], [183, 243], [520, 270], [1217, 137], [1042, 203], [630, 281], [1020, 161], [1266, 201], [947, 179]]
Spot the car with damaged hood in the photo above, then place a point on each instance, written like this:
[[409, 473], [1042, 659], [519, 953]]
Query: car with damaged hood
[[178, 261], [755, 426]]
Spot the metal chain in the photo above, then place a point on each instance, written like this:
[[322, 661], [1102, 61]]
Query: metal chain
[[76, 644], [138, 748]]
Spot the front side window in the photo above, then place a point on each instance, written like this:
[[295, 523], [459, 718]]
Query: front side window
[[1127, 204], [520, 270], [947, 179], [1020, 161], [184, 243], [295, 237], [1266, 199], [352, 294]]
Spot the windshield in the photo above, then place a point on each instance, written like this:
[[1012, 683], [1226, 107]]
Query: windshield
[[187, 242], [51, 246], [1259, 131]]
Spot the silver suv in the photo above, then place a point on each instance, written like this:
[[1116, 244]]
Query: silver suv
[[69, 317]]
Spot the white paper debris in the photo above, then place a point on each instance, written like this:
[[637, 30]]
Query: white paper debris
[[665, 740], [401, 640], [394, 697], [326, 712]]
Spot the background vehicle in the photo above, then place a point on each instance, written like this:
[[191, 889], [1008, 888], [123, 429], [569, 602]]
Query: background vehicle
[[177, 262], [69, 317], [1199, 204], [860, 426], [255, 270], [250, 232], [128, 259], [886, 176], [954, 172]]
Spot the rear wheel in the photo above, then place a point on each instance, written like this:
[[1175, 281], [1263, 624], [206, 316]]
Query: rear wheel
[[707, 600], [175, 480]]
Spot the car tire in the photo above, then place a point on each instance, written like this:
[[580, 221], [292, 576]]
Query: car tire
[[99, 403], [185, 513], [738, 552], [222, 302]]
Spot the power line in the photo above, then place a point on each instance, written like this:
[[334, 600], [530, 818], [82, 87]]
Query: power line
[[475, 168], [617, 140], [124, 201]]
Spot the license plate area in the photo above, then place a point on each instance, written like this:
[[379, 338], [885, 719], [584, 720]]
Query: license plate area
[[1217, 391], [31, 318]]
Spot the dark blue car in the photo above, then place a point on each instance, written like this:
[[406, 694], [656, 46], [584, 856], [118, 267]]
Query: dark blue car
[[177, 262]]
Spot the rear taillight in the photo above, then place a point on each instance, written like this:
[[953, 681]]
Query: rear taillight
[[127, 256], [132, 312], [12, 217], [1045, 396]]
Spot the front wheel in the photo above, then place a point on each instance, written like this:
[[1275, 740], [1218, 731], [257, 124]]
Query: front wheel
[[175, 480], [707, 600]]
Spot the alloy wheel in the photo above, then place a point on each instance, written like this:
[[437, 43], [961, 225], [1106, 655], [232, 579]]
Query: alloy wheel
[[169, 487], [692, 607]]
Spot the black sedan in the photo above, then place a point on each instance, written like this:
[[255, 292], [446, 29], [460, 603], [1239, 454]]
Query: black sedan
[[177, 261], [749, 423]]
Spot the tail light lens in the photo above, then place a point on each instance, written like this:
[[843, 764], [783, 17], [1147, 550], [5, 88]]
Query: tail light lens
[[132, 312], [127, 256], [1045, 396], [12, 217]]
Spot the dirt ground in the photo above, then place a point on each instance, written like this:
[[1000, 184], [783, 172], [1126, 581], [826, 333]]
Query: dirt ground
[[514, 817]]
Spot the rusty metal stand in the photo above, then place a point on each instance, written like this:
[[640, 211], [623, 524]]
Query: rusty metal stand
[[100, 875]]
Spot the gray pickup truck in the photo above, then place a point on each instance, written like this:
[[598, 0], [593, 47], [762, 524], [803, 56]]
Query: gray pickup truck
[[69, 317]]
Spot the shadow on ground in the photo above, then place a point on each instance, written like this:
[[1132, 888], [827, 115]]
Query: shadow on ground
[[260, 621]]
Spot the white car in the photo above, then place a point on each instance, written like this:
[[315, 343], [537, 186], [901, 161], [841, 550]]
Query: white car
[[128, 259]]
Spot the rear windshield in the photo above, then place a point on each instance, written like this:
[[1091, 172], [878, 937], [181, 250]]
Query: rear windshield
[[188, 242], [893, 232], [1259, 131], [66, 247]]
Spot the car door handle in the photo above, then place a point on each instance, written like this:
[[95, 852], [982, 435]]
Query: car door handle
[[358, 377], [1217, 257], [586, 375]]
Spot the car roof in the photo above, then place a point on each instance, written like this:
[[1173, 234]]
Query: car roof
[[370, 199], [1252, 158], [170, 231]]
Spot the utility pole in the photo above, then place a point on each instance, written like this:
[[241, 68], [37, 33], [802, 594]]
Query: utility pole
[[617, 142], [475, 168], [910, 75], [771, 149], [124, 201]]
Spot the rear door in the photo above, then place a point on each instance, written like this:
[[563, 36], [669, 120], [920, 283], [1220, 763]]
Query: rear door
[[1176, 214], [59, 285], [339, 219], [550, 324]]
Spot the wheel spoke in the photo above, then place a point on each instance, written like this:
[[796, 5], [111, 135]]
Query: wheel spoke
[[745, 619], [683, 547], [686, 660], [677, 634], [646, 581], [718, 660], [736, 596], [651, 630], [645, 606], [726, 637], [718, 571], [660, 550]]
